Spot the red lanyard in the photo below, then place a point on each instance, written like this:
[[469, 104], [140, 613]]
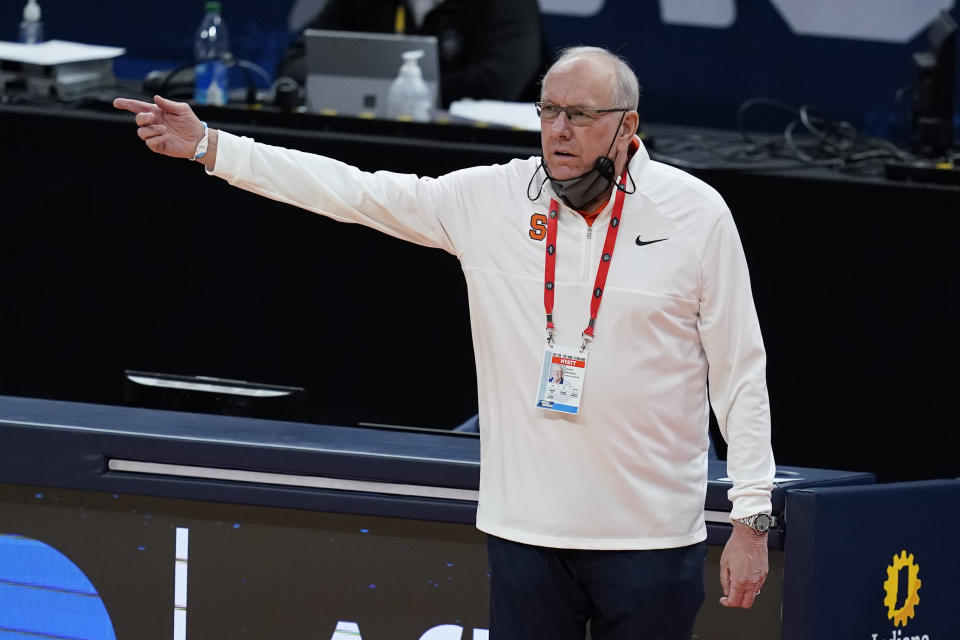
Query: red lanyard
[[550, 264]]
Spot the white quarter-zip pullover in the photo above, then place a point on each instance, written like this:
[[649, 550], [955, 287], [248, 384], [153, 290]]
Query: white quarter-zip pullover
[[630, 471]]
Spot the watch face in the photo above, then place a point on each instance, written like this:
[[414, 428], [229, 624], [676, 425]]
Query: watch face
[[762, 522]]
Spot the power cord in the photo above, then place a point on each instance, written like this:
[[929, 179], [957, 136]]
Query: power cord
[[808, 139]]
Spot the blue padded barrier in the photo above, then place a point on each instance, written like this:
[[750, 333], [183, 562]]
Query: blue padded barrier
[[873, 562]]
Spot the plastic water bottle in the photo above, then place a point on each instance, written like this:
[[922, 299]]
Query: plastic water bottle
[[31, 29], [211, 50], [409, 97]]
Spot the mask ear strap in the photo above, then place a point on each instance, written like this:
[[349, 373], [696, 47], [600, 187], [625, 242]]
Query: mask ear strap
[[617, 132], [633, 189], [530, 184], [605, 164]]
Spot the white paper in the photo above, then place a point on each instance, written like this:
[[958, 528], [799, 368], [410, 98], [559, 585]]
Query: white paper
[[522, 115], [56, 52]]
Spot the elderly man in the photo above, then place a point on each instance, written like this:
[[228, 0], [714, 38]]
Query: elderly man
[[592, 496]]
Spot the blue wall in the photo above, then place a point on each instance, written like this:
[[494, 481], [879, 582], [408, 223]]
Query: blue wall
[[700, 75], [691, 75]]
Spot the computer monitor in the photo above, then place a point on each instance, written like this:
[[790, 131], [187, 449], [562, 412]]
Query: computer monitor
[[350, 73]]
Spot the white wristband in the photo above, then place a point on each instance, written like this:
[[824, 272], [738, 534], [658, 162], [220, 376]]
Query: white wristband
[[202, 145]]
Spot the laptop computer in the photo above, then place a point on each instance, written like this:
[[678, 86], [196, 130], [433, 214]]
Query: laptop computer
[[350, 73]]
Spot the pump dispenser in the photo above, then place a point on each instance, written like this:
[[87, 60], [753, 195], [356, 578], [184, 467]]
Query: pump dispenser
[[31, 29], [409, 97]]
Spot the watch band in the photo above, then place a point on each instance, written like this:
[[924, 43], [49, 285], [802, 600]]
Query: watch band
[[202, 145]]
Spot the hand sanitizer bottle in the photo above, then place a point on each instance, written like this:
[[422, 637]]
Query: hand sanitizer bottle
[[409, 97]]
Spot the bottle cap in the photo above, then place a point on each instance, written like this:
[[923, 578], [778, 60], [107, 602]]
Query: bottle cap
[[212, 7]]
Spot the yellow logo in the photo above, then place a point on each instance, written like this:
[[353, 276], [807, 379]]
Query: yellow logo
[[900, 616]]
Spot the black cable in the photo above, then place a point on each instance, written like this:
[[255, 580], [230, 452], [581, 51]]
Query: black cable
[[165, 85], [245, 66], [752, 102], [808, 139], [247, 72]]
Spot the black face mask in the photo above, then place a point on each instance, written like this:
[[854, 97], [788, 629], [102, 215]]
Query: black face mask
[[579, 191]]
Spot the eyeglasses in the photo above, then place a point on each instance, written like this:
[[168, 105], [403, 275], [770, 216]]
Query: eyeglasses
[[579, 116]]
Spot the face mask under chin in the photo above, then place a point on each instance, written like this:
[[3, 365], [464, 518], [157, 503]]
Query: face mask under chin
[[581, 190]]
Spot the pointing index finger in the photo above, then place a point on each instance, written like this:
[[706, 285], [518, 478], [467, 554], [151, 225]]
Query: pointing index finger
[[133, 106]]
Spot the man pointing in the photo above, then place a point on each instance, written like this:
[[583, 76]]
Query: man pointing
[[628, 273]]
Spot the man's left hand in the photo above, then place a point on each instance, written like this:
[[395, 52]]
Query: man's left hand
[[743, 567]]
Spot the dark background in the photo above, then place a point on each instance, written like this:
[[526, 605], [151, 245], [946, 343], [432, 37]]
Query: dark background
[[116, 259]]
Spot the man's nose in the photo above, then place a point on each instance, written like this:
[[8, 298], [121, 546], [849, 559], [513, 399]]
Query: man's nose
[[562, 124]]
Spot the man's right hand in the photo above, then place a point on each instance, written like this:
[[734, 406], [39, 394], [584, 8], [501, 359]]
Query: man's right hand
[[169, 128]]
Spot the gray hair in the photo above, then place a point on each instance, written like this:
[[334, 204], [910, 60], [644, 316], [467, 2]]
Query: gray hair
[[626, 91]]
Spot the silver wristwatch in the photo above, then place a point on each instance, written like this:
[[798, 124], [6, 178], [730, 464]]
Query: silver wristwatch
[[759, 522]]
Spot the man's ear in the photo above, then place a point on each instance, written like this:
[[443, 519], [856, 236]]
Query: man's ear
[[630, 124]]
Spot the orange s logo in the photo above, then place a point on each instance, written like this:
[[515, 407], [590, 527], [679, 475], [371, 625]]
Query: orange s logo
[[538, 226]]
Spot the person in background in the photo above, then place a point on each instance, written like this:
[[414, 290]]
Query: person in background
[[594, 516], [488, 50]]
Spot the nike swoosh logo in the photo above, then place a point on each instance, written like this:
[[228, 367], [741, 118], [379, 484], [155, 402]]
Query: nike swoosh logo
[[640, 242]]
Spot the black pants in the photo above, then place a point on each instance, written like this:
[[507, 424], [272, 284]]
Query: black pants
[[540, 592]]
